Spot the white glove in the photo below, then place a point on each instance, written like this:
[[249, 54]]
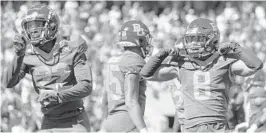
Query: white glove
[[241, 126], [252, 129], [143, 130]]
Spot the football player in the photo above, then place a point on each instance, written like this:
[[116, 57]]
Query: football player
[[59, 69], [124, 93], [205, 68], [255, 86]]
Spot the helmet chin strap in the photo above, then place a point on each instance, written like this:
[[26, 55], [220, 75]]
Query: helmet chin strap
[[143, 52]]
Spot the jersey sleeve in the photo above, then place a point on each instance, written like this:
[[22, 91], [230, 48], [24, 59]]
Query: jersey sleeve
[[16, 70], [132, 64], [230, 61], [83, 75]]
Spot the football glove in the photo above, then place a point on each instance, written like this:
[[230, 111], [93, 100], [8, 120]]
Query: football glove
[[144, 130], [19, 43], [242, 127], [236, 51], [252, 129], [48, 97], [225, 47]]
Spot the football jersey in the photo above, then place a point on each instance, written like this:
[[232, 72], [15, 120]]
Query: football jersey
[[117, 68], [205, 93], [55, 71]]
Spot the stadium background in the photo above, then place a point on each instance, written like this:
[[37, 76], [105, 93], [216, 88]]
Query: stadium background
[[98, 23]]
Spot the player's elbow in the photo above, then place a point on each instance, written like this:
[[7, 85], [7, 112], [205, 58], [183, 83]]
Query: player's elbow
[[249, 72], [87, 87], [145, 75]]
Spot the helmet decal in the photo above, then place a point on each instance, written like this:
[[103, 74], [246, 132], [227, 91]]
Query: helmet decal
[[135, 34], [138, 29]]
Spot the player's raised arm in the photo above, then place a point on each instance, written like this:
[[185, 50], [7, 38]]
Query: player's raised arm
[[16, 69], [132, 100], [154, 70], [248, 63], [83, 75]]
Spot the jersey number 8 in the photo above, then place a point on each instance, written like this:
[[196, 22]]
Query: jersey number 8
[[201, 83]]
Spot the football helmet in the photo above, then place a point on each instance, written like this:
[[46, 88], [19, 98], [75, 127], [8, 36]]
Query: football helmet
[[136, 34], [40, 25], [201, 38]]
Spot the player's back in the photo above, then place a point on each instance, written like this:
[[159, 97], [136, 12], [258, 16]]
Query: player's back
[[205, 93], [117, 68]]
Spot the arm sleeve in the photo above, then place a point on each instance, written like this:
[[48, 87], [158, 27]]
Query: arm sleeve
[[132, 100], [154, 63], [83, 75], [247, 56], [16, 70]]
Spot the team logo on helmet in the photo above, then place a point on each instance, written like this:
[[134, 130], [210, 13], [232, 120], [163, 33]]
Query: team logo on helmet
[[136, 34]]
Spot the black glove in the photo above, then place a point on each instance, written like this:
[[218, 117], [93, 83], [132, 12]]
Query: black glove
[[48, 97], [19, 43]]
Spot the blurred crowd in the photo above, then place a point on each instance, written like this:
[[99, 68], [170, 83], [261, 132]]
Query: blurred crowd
[[98, 23]]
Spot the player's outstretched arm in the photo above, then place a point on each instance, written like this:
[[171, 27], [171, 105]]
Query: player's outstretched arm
[[248, 63], [132, 102], [165, 72], [83, 75], [154, 70], [16, 69]]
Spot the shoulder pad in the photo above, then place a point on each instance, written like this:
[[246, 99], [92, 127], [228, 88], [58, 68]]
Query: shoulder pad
[[131, 63], [76, 44], [76, 40]]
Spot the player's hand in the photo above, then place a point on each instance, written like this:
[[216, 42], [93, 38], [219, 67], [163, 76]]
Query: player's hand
[[241, 127], [225, 47], [144, 130], [48, 97], [252, 129], [19, 43]]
